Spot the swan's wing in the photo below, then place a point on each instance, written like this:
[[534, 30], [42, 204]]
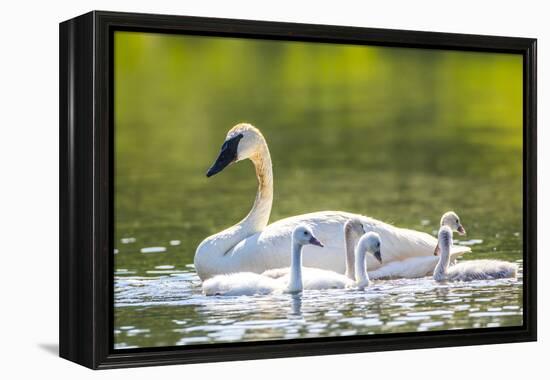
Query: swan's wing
[[459, 250], [400, 243], [397, 243], [414, 267], [276, 273], [271, 247]]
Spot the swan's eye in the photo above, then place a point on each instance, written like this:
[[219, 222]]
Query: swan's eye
[[378, 244], [457, 221], [306, 233]]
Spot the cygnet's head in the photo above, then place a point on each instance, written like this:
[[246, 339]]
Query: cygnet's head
[[370, 242], [242, 142], [354, 228], [303, 236], [451, 220]]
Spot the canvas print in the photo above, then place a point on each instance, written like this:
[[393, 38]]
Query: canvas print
[[277, 190]]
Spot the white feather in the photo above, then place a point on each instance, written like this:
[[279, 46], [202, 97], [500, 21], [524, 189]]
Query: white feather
[[481, 270], [357, 245], [240, 284], [468, 270], [414, 267], [253, 246], [313, 278], [247, 283]]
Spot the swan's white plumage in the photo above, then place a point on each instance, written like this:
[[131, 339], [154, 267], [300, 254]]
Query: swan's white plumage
[[253, 246], [313, 278], [269, 248], [240, 284], [357, 244], [414, 267], [247, 283], [481, 270], [467, 270]]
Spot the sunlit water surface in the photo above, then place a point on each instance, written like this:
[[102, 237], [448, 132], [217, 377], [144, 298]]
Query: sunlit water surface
[[400, 135], [170, 310]]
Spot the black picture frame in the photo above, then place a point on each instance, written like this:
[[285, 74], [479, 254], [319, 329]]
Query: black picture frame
[[86, 189]]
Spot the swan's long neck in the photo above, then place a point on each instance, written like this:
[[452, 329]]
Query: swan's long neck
[[350, 254], [361, 276], [258, 217], [295, 283], [445, 243], [210, 257]]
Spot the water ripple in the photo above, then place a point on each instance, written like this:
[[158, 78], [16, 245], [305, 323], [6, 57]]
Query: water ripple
[[169, 305]]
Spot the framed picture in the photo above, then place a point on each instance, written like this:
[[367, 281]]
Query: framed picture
[[236, 189]]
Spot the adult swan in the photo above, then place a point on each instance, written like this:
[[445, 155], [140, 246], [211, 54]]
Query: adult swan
[[253, 246]]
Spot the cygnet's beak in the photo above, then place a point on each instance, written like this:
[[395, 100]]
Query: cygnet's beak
[[378, 256], [461, 230], [314, 241]]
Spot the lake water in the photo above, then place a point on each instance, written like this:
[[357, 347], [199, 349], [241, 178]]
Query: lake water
[[401, 135], [170, 310]]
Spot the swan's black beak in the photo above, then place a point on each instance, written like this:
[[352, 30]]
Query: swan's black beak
[[461, 230], [313, 240], [378, 256], [228, 154]]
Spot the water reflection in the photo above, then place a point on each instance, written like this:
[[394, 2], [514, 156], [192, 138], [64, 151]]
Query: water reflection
[[296, 305], [170, 310]]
